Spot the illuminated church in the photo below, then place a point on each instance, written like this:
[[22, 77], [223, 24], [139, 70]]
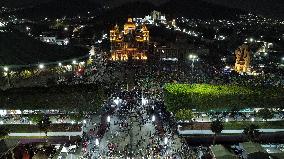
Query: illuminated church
[[130, 43]]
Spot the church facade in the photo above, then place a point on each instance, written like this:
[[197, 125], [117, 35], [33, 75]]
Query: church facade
[[130, 43]]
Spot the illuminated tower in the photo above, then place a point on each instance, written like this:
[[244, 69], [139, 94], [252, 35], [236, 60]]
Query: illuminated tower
[[129, 27], [243, 59]]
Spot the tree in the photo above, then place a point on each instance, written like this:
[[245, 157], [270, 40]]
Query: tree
[[184, 114], [265, 114], [251, 132], [35, 118], [3, 132], [234, 112], [26, 74], [77, 117], [216, 127], [44, 124]]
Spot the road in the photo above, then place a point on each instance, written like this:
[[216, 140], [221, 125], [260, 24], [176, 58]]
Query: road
[[130, 131]]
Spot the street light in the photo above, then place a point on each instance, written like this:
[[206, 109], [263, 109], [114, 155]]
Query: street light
[[97, 142], [108, 119], [193, 58], [153, 118], [144, 101], [74, 62], [41, 66], [6, 69], [166, 140], [59, 64], [116, 101]]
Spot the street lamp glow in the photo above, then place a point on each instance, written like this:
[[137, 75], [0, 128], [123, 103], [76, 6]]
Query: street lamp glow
[[6, 69], [192, 57], [108, 119], [41, 66], [144, 101], [282, 58], [252, 119], [116, 101], [227, 120], [166, 140], [74, 62], [153, 118], [59, 64], [84, 121], [97, 142]]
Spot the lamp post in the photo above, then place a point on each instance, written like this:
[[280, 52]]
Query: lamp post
[[97, 142], [153, 118], [74, 62], [108, 119], [193, 58], [166, 140], [6, 70]]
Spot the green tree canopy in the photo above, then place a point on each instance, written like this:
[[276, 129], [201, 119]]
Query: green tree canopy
[[81, 97], [251, 132], [206, 97], [44, 124], [265, 114], [3, 132], [184, 114], [216, 127]]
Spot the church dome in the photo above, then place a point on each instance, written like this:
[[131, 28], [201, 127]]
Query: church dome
[[129, 24]]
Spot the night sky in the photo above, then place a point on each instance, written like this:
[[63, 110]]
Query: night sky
[[265, 7]]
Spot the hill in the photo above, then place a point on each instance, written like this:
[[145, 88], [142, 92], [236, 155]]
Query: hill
[[187, 8], [264, 7], [132, 9], [59, 9], [272, 8], [19, 49], [198, 9], [173, 8]]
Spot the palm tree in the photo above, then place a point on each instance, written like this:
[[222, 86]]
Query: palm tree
[[216, 127], [251, 132]]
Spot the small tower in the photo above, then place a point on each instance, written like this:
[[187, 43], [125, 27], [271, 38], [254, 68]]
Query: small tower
[[243, 59], [145, 32], [114, 33], [129, 26]]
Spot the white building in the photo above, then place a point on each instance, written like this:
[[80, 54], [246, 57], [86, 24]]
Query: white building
[[54, 40]]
